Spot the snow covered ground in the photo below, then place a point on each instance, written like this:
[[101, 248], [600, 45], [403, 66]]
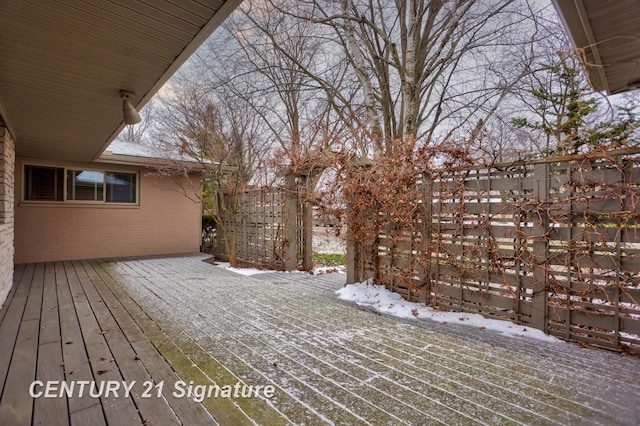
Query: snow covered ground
[[247, 272], [331, 362], [384, 301]]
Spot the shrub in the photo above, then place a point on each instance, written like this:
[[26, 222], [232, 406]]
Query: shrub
[[208, 234]]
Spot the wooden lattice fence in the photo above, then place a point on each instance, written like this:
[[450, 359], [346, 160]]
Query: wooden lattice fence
[[551, 244], [271, 230]]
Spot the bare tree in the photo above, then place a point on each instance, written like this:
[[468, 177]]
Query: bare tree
[[221, 137], [423, 69], [292, 109]]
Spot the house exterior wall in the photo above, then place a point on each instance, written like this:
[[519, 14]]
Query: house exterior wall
[[7, 170], [165, 222]]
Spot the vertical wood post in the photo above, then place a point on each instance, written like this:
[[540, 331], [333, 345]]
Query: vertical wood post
[[427, 227], [539, 311], [290, 223], [350, 259], [359, 252], [307, 226], [352, 246]]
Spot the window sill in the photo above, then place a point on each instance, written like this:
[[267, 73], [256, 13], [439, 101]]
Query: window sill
[[80, 204]]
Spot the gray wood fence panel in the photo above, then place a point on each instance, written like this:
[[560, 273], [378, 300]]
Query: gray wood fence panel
[[272, 226], [553, 245]]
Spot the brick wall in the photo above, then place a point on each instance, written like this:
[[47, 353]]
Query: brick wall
[[7, 179], [165, 222]]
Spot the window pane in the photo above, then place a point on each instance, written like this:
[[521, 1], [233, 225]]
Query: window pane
[[85, 185], [43, 183], [121, 187]]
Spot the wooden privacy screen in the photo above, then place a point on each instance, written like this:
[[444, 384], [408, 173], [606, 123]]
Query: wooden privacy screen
[[273, 227], [552, 244]]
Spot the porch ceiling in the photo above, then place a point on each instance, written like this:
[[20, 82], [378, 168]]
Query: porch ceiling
[[63, 63], [609, 34]]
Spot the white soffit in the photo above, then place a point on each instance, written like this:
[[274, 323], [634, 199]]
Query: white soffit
[[607, 34], [63, 63]]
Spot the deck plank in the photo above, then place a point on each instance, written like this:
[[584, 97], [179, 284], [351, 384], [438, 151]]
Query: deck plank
[[131, 365], [16, 406], [50, 411], [11, 322], [118, 411], [74, 355], [33, 307], [49, 318]]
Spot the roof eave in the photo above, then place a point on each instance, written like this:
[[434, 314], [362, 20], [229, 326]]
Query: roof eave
[[574, 18], [158, 163], [227, 8]]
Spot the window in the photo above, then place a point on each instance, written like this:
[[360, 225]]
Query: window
[[60, 184], [43, 183], [85, 185], [121, 187]]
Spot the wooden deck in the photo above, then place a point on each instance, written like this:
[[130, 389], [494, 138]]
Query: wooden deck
[[167, 319], [67, 321]]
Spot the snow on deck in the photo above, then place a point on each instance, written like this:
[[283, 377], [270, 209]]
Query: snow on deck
[[380, 299], [333, 362]]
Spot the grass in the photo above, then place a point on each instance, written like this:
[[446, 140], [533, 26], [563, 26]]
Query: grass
[[328, 259]]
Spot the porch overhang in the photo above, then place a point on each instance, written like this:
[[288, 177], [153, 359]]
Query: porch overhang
[[607, 37], [63, 64]]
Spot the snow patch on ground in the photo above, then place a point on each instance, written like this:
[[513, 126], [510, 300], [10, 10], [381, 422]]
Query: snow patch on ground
[[330, 270], [254, 271], [242, 271], [384, 301]]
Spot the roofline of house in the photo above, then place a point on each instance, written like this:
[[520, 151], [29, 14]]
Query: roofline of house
[[157, 163]]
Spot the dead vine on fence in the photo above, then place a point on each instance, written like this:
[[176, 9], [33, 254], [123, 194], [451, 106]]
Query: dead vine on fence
[[557, 239]]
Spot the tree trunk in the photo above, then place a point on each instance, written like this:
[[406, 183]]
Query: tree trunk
[[357, 59], [233, 253]]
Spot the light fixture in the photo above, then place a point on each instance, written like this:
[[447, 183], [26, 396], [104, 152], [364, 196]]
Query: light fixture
[[128, 111]]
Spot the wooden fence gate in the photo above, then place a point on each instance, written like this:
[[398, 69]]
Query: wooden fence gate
[[551, 244]]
